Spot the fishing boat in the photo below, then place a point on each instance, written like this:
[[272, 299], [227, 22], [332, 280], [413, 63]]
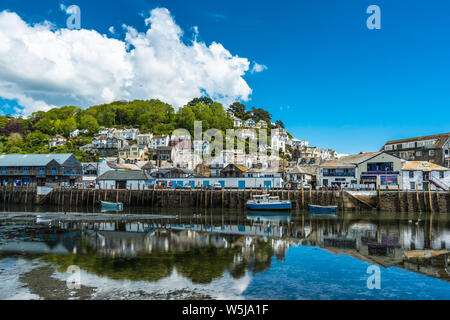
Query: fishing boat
[[112, 205], [266, 202], [315, 208]]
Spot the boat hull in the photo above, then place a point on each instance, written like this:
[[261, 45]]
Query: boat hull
[[323, 208], [269, 206], [112, 206]]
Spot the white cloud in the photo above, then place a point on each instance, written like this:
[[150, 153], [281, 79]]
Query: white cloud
[[258, 67], [112, 30], [41, 66]]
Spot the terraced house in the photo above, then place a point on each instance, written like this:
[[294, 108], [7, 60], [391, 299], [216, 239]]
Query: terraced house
[[435, 149], [40, 169]]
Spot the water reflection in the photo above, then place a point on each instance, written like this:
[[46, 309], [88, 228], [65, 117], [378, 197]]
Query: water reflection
[[205, 247]]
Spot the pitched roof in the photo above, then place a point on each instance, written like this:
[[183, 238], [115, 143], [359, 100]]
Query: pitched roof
[[441, 139], [422, 166], [21, 160], [123, 175]]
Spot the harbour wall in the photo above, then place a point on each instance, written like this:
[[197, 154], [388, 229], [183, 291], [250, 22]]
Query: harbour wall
[[70, 199]]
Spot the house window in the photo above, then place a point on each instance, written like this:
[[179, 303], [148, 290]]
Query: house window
[[3, 170], [25, 170], [41, 170], [419, 153], [413, 186], [411, 174], [441, 175], [431, 153], [53, 170]]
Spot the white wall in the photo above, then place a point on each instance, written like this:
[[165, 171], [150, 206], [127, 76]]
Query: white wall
[[418, 179]]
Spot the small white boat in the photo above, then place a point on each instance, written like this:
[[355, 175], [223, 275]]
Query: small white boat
[[266, 202], [112, 205]]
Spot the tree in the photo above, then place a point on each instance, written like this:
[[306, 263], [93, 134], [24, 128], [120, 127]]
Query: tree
[[279, 124], [204, 100], [261, 114], [45, 125], [90, 123], [239, 110], [14, 126]]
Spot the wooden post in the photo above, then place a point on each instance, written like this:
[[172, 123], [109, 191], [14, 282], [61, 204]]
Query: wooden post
[[117, 195], [303, 196], [106, 190], [429, 195], [417, 198]]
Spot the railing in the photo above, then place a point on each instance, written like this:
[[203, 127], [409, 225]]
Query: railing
[[30, 172], [338, 174]]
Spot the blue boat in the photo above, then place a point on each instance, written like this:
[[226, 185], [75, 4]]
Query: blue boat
[[266, 202], [112, 205], [331, 209]]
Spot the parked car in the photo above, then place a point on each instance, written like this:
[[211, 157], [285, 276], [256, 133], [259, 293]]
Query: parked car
[[217, 186], [307, 186]]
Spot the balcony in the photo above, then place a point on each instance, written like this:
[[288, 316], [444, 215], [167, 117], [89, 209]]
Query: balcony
[[37, 172], [339, 174]]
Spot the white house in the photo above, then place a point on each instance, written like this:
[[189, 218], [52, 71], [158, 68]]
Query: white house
[[297, 143], [144, 139], [201, 147], [249, 123], [237, 122], [77, 132], [56, 141], [127, 134], [159, 141], [423, 174], [279, 140]]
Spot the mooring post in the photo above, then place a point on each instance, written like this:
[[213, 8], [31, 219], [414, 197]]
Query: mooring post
[[429, 195], [417, 198]]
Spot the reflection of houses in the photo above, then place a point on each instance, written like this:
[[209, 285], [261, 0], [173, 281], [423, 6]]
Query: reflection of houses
[[40, 169]]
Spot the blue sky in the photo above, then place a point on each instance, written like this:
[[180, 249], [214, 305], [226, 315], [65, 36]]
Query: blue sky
[[330, 79]]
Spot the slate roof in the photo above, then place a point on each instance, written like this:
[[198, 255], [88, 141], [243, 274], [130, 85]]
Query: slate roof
[[32, 160], [441, 139], [123, 175]]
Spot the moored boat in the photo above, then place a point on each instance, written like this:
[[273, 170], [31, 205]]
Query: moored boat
[[266, 202], [316, 208], [112, 205]]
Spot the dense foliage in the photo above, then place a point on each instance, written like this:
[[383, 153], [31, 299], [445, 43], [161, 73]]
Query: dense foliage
[[31, 135]]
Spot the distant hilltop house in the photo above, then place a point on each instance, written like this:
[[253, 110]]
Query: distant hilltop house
[[77, 132], [57, 141], [105, 146], [250, 123], [40, 169], [237, 122], [297, 143], [434, 148], [127, 134]]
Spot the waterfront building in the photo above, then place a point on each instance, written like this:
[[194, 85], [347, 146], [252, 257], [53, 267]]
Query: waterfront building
[[233, 171], [203, 170], [422, 175], [172, 173], [382, 170], [124, 179], [40, 169], [57, 141], [434, 148], [371, 170]]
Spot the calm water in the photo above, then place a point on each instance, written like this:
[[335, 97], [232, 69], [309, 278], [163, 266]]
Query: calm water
[[224, 255]]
